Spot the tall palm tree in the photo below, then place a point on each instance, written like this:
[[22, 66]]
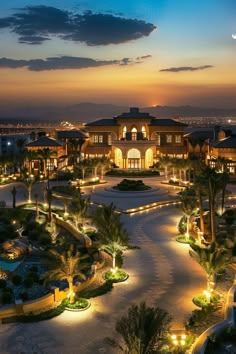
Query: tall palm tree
[[188, 203], [115, 242], [67, 266], [46, 155], [105, 163], [165, 163], [20, 145], [105, 217], [212, 184], [212, 260], [113, 237], [224, 182], [84, 165], [143, 329], [29, 157], [78, 208]]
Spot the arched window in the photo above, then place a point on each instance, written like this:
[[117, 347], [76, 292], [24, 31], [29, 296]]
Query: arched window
[[134, 133], [124, 131], [144, 131]]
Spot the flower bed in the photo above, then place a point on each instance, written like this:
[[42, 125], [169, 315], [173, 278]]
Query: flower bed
[[81, 304]]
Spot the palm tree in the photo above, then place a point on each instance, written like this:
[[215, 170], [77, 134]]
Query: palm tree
[[78, 208], [105, 217], [46, 154], [115, 242], [113, 237], [104, 164], [224, 182], [20, 145], [165, 162], [30, 156], [84, 165], [143, 329], [188, 203], [212, 184], [13, 192], [67, 266], [212, 260]]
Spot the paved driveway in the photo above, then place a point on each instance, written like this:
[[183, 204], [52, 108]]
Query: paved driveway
[[161, 273]]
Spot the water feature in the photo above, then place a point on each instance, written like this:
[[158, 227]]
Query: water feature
[[9, 266]]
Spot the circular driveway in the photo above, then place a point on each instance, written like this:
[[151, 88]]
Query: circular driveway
[[161, 273]]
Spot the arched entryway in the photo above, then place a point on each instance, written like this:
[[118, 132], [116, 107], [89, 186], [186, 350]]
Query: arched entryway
[[148, 158], [118, 158], [134, 158]]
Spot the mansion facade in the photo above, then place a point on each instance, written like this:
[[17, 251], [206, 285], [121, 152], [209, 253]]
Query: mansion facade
[[135, 140]]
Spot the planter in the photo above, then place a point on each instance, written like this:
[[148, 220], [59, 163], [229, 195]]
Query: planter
[[116, 276], [73, 308]]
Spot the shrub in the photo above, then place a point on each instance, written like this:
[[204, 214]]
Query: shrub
[[33, 275], [45, 239], [79, 304], [101, 290], [24, 296], [16, 279], [3, 283], [131, 185], [42, 316], [117, 276], [28, 282], [7, 296], [182, 226]]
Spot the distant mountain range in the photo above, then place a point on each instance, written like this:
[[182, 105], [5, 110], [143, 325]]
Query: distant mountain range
[[86, 112]]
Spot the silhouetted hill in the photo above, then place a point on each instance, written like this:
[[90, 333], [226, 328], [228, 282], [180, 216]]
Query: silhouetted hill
[[86, 112]]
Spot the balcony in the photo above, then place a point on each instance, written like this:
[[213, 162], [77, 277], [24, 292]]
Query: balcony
[[142, 142]]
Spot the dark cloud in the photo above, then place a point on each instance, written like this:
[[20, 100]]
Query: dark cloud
[[35, 24], [144, 57], [61, 63], [187, 68]]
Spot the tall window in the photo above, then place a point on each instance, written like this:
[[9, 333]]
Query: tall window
[[178, 139], [95, 138], [124, 132], [168, 138], [134, 133], [144, 131], [158, 139], [100, 138], [109, 141]]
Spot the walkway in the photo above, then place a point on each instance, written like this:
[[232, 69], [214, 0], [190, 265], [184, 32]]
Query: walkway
[[158, 275]]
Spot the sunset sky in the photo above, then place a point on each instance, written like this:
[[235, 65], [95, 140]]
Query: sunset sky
[[127, 52]]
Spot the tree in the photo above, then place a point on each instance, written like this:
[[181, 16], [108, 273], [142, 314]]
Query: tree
[[76, 146], [143, 329], [115, 242], [20, 145], [212, 184], [188, 203], [113, 237], [13, 192], [84, 165], [67, 266], [104, 164], [78, 207], [211, 259], [165, 162], [46, 154], [29, 157]]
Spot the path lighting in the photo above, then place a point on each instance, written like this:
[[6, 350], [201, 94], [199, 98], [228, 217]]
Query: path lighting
[[178, 339], [207, 294]]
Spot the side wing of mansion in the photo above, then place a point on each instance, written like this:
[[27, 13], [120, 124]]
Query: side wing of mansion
[[135, 140]]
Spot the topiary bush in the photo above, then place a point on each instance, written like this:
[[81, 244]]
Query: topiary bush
[[131, 185]]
